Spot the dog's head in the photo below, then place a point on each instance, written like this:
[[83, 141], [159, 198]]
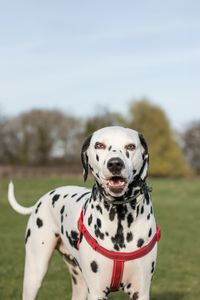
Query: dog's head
[[116, 157]]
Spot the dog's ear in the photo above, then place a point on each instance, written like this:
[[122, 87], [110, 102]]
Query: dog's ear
[[143, 143], [84, 157], [145, 155]]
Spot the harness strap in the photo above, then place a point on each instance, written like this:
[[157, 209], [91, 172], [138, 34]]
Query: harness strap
[[118, 268], [118, 257]]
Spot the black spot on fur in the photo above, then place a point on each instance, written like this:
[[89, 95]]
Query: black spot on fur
[[129, 219], [133, 204], [135, 296], [152, 267], [27, 235], [39, 222], [138, 210], [97, 157], [142, 210], [99, 223], [65, 195], [129, 237], [62, 210], [106, 205], [112, 213], [74, 195], [148, 216], [98, 207], [62, 230], [75, 272], [118, 239], [90, 220], [37, 208], [127, 154], [150, 232], [74, 279], [121, 212], [70, 259], [98, 233], [109, 148], [140, 243], [54, 199], [147, 198], [77, 200], [51, 192], [80, 238], [73, 238], [91, 168], [128, 286], [116, 247], [94, 266]]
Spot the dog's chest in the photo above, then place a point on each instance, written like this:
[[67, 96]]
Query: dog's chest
[[120, 227]]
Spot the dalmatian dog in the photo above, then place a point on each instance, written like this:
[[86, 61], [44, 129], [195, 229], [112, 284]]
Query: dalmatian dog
[[106, 235]]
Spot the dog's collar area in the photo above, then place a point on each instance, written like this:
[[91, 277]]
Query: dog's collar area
[[136, 188], [119, 258], [128, 200]]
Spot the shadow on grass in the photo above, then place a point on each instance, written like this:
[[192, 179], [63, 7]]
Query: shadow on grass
[[168, 295]]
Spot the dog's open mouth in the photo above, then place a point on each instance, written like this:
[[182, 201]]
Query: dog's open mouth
[[116, 184]]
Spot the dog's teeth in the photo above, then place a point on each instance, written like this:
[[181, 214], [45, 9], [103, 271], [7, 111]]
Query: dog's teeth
[[116, 182]]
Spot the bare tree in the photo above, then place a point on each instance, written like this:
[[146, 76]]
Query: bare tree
[[191, 139], [10, 145], [40, 136]]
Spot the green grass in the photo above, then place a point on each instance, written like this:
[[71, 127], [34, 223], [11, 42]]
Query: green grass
[[177, 209]]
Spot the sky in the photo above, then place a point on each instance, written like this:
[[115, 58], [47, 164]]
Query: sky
[[84, 56]]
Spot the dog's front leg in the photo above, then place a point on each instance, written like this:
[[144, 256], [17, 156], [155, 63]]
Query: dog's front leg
[[79, 286]]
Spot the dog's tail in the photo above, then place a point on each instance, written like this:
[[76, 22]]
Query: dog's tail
[[15, 205]]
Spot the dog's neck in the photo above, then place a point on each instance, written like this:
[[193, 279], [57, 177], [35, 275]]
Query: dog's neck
[[135, 189]]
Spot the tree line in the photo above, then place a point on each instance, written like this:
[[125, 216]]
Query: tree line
[[43, 137]]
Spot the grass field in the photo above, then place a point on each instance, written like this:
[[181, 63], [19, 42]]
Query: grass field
[[177, 208]]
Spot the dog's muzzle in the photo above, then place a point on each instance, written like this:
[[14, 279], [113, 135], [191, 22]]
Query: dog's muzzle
[[116, 182]]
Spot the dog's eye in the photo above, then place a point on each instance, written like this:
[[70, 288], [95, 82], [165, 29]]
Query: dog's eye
[[130, 147], [99, 145]]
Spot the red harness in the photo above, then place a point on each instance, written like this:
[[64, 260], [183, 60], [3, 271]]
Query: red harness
[[119, 258]]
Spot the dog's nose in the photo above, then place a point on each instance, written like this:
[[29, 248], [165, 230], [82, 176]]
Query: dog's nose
[[115, 165]]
